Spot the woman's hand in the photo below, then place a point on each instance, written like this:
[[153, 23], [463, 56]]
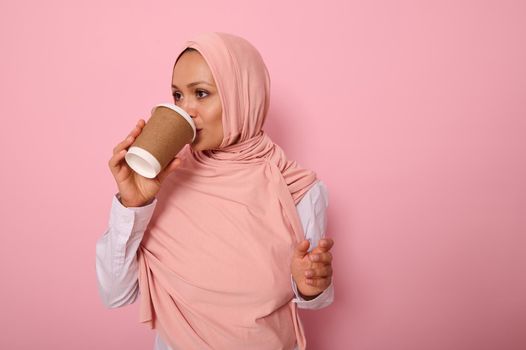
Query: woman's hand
[[312, 271], [134, 189]]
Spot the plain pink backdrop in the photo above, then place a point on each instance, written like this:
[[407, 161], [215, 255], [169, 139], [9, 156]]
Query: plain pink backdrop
[[412, 112]]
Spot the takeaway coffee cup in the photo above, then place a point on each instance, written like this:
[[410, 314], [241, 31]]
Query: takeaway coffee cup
[[167, 131]]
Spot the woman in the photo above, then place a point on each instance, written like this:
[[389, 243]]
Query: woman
[[225, 259]]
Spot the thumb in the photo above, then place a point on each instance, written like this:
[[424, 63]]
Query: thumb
[[301, 249]]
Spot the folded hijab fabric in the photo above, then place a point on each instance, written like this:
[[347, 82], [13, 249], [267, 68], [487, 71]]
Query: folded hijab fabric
[[214, 263]]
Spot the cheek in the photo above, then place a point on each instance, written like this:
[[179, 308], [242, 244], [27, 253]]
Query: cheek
[[217, 113], [217, 110]]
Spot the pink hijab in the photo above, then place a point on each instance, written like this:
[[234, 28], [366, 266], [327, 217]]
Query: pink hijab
[[214, 263]]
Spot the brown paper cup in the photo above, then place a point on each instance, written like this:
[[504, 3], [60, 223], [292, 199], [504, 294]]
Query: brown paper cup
[[164, 135]]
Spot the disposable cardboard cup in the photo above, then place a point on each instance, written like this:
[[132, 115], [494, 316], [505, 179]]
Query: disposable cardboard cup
[[164, 135]]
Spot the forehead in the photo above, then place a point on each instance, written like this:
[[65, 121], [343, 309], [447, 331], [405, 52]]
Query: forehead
[[191, 67]]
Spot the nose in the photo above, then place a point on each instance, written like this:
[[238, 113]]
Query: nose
[[189, 108]]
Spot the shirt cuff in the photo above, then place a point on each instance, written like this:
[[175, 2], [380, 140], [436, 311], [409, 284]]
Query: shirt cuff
[[130, 219], [323, 300]]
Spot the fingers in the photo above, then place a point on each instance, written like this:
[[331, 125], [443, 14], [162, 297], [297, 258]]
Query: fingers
[[116, 159], [319, 273], [324, 245], [120, 150], [322, 272], [130, 138], [325, 257], [321, 283], [319, 254], [301, 249]]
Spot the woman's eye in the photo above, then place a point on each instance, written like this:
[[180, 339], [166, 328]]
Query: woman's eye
[[198, 92], [176, 96]]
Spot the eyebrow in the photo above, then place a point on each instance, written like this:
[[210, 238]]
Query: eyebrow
[[192, 84]]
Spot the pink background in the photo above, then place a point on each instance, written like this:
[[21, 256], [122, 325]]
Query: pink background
[[412, 112]]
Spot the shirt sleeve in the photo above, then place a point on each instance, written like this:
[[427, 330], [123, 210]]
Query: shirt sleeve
[[312, 213], [116, 263]]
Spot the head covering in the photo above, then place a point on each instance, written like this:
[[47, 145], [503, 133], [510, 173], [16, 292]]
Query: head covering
[[214, 262]]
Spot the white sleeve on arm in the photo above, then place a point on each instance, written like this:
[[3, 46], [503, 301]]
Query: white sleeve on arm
[[312, 213], [116, 263]]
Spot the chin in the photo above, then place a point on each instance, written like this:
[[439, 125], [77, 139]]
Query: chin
[[199, 147]]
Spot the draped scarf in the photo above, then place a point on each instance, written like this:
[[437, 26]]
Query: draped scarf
[[214, 262]]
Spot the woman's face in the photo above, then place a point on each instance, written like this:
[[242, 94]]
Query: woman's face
[[195, 91]]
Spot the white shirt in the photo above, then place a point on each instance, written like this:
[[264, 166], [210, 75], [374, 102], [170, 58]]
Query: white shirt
[[116, 263]]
